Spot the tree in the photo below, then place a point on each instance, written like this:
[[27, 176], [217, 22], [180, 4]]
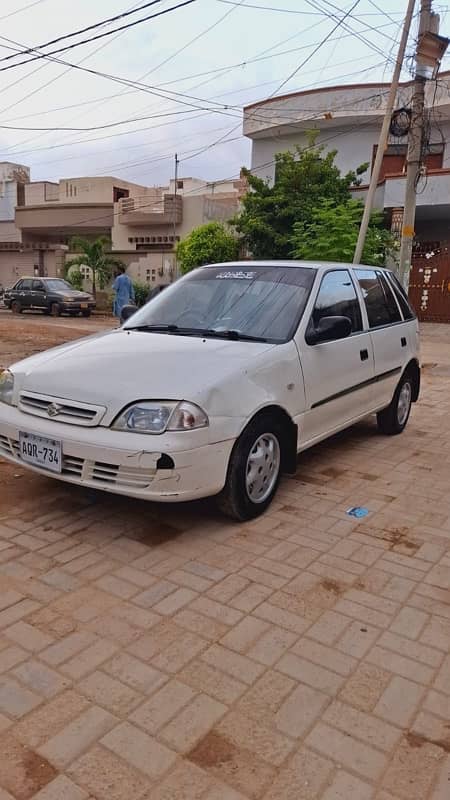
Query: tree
[[75, 278], [303, 178], [208, 244], [332, 234], [94, 256]]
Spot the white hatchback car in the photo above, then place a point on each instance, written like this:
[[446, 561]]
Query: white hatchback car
[[216, 385]]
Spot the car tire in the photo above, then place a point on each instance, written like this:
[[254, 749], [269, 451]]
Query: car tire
[[55, 310], [86, 313], [393, 419], [256, 454], [16, 308]]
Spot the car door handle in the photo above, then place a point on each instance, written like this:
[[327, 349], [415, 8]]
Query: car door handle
[[364, 355], [403, 340]]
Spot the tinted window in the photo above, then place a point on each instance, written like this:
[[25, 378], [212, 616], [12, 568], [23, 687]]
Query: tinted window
[[381, 307], [263, 302], [18, 285], [337, 298], [26, 284], [391, 302], [38, 286], [400, 294]]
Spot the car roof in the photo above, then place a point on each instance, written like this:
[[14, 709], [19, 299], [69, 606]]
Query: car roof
[[291, 263], [40, 278]]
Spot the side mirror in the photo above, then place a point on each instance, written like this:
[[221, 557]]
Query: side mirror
[[127, 312], [329, 329]]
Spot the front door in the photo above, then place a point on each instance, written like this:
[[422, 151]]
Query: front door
[[23, 293], [337, 374]]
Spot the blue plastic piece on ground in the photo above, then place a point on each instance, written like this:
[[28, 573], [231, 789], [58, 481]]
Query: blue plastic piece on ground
[[357, 512]]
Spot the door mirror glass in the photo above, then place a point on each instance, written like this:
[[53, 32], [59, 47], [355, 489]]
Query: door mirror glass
[[329, 329], [127, 312]]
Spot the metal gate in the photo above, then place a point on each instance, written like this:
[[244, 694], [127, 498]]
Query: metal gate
[[429, 283]]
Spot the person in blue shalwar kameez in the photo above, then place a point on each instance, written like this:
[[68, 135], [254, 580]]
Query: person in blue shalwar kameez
[[124, 290]]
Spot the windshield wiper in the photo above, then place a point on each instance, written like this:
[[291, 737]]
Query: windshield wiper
[[234, 335], [207, 332], [156, 328]]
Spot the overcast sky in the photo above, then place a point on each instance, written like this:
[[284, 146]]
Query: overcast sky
[[207, 72]]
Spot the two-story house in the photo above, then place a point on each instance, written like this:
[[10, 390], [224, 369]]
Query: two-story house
[[348, 119]]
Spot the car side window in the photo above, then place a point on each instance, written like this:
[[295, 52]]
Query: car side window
[[38, 286], [337, 298], [18, 286], [380, 305], [26, 285], [401, 296]]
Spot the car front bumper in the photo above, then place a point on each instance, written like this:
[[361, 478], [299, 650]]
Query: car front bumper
[[77, 307], [124, 463]]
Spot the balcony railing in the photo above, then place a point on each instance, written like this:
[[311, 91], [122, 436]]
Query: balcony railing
[[148, 210]]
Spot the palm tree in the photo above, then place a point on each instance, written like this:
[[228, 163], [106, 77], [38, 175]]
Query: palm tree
[[94, 256]]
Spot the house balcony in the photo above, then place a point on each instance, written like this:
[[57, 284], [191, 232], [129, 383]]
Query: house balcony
[[65, 219], [145, 210], [432, 199]]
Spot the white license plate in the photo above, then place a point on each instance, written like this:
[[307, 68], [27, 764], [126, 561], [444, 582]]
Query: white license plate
[[40, 451]]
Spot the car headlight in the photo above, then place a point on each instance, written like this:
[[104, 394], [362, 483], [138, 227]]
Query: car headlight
[[157, 417], [6, 386]]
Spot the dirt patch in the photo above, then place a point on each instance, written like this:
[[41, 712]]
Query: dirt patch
[[212, 751], [23, 772], [418, 740], [333, 586], [334, 472]]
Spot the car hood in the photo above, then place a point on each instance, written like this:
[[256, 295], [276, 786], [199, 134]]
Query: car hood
[[119, 367], [75, 294]]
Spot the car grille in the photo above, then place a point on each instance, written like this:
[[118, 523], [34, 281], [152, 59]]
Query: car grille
[[71, 412], [97, 472]]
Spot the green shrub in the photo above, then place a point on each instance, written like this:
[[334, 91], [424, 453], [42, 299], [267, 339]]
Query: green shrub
[[141, 291]]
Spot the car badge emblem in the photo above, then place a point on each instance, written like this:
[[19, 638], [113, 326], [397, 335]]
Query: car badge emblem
[[54, 409]]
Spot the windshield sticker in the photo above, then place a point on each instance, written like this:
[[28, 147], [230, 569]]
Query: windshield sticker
[[246, 276]]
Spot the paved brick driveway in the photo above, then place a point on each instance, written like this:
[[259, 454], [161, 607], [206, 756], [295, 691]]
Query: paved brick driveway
[[164, 654]]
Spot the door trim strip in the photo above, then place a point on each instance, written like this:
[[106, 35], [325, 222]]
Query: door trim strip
[[383, 376]]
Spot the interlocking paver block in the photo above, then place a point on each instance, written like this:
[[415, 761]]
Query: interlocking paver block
[[140, 750], [77, 736]]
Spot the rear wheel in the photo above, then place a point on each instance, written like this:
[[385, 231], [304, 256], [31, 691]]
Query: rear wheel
[[16, 308], [86, 313], [254, 470], [393, 419], [55, 310]]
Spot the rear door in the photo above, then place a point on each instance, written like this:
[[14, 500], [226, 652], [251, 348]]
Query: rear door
[[337, 374], [388, 331]]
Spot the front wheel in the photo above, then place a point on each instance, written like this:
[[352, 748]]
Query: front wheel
[[86, 313], [254, 470], [16, 308], [393, 419], [55, 310]]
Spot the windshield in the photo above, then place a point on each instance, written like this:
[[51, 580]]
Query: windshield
[[59, 286], [258, 302]]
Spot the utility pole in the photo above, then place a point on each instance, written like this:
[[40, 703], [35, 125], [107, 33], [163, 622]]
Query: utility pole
[[382, 141], [428, 23], [175, 268]]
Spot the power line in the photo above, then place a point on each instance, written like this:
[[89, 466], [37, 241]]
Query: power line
[[98, 36], [295, 11], [95, 25], [319, 45], [24, 8], [177, 52]]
